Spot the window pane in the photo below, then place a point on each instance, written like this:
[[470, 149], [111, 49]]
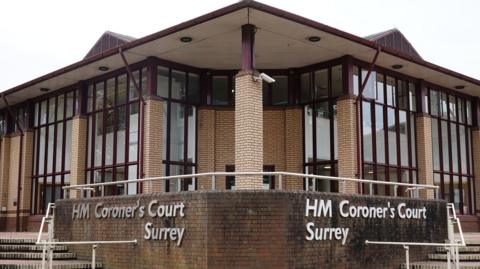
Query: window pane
[[463, 149], [132, 175], [356, 78], [337, 81], [58, 148], [305, 93], [380, 134], [121, 135], [453, 137], [456, 192], [412, 95], [70, 104], [41, 151], [392, 136], [280, 90], [321, 84], [391, 91], [109, 131], [162, 81], [68, 145], [50, 146], [469, 112], [446, 157], [323, 131], [461, 110], [443, 105], [89, 151], [369, 91], [143, 82], [191, 134], [60, 106], [434, 103], [99, 95], [110, 93], [98, 139], [91, 96], [308, 134], [367, 132], [412, 140], [177, 129], [51, 109], [179, 88], [403, 138], [193, 88], [122, 90], [380, 96], [402, 95], [452, 108], [133, 135], [335, 133], [43, 112], [220, 90]]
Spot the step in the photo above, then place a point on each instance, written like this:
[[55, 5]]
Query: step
[[463, 257], [35, 256], [17, 241], [440, 265], [30, 248], [31, 264], [467, 249]]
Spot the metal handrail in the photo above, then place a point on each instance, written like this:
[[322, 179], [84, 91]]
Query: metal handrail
[[212, 175], [451, 247], [49, 243]]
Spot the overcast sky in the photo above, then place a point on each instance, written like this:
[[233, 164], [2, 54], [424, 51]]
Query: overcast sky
[[38, 37]]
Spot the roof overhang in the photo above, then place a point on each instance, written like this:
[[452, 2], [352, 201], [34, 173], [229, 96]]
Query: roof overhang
[[281, 42]]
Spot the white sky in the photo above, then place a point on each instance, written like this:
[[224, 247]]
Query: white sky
[[37, 37]]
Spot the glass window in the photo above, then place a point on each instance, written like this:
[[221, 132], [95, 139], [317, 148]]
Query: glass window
[[380, 96], [122, 90], [403, 126], [367, 132], [220, 94], [337, 81], [308, 133], [322, 118], [179, 88], [392, 136], [321, 84], [193, 88], [370, 87], [162, 81], [379, 134], [391, 91], [280, 90]]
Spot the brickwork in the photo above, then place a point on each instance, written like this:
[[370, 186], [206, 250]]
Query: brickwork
[[347, 142], [224, 142], [206, 145], [274, 140], [476, 165], [4, 178], [251, 229], [248, 130], [423, 144], [153, 144], [293, 147], [79, 153]]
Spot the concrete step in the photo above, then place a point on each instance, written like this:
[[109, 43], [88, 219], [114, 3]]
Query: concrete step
[[467, 249], [32, 264], [463, 257], [441, 265], [30, 248], [17, 241], [35, 256]]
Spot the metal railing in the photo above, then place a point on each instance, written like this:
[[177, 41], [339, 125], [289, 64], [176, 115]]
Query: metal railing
[[451, 247], [49, 244], [411, 188]]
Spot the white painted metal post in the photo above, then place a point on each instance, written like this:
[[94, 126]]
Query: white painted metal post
[[451, 239], [407, 257], [94, 247], [44, 256], [179, 184], [213, 182], [280, 182], [125, 188], [395, 190]]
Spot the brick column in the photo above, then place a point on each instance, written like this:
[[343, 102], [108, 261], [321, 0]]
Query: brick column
[[476, 165], [293, 147], [79, 153], [153, 144], [206, 146], [347, 142], [423, 136], [248, 129], [4, 176], [26, 183]]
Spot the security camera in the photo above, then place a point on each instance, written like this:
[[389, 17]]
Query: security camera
[[267, 78]]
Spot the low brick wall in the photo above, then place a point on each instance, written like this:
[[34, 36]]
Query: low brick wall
[[251, 229]]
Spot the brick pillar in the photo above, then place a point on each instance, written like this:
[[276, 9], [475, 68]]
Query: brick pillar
[[79, 153], [4, 176], [293, 147], [13, 201], [347, 142], [248, 130], [206, 146], [153, 144], [423, 143], [476, 165]]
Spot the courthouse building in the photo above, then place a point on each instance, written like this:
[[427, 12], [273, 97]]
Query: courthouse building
[[190, 99]]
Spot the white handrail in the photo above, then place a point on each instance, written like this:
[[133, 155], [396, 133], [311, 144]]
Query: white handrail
[[49, 207], [135, 241], [281, 175]]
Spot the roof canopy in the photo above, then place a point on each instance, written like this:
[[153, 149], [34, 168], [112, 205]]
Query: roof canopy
[[281, 42]]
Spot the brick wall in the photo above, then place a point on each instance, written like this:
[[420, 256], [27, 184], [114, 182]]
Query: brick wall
[[347, 142], [224, 142], [4, 176], [79, 153], [476, 165], [248, 130], [423, 146], [251, 229], [153, 144], [294, 147], [206, 145]]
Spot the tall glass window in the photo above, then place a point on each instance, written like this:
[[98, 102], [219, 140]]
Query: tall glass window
[[388, 130], [113, 127], [181, 92], [52, 125], [319, 90], [452, 148]]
